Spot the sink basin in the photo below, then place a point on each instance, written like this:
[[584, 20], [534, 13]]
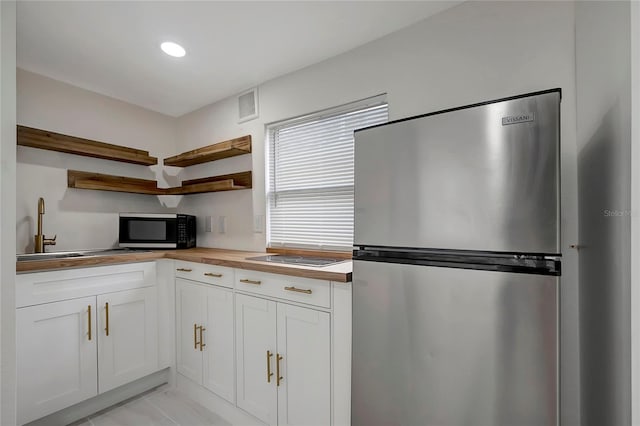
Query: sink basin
[[79, 253], [112, 251], [47, 256]]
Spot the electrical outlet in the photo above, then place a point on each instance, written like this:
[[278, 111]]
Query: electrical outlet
[[208, 224], [257, 224], [222, 224]]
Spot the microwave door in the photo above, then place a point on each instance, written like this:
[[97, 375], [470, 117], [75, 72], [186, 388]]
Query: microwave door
[[148, 232]]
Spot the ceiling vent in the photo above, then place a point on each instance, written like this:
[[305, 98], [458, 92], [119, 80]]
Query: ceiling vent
[[248, 105]]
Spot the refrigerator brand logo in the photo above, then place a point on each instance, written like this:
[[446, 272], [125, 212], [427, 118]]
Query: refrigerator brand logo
[[515, 119]]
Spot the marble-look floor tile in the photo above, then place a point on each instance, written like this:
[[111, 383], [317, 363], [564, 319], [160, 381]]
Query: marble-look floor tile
[[162, 406], [82, 422], [139, 412], [182, 410]]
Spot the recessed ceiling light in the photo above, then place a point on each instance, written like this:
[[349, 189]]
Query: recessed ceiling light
[[173, 49]]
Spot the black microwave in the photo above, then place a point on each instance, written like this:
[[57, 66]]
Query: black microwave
[[162, 230]]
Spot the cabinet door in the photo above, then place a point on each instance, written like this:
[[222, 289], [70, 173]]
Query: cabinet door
[[255, 335], [127, 336], [190, 299], [56, 356], [218, 371], [304, 343]]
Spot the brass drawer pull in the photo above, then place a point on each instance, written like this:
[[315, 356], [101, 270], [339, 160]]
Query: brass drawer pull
[[89, 316], [106, 310], [184, 269], [251, 282], [211, 274], [298, 290], [195, 338], [269, 373], [278, 376], [202, 345]]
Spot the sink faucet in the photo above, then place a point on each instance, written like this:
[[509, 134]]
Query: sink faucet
[[40, 240]]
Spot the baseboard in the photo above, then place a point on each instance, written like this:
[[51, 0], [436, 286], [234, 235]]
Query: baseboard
[[102, 401], [213, 402]]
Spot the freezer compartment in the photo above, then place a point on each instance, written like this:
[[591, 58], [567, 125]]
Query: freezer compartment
[[479, 178], [438, 346]]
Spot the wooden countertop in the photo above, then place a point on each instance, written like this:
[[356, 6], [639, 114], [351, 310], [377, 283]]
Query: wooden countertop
[[230, 258]]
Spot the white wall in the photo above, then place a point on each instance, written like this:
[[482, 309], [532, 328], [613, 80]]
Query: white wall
[[604, 169], [7, 211], [81, 218], [474, 52]]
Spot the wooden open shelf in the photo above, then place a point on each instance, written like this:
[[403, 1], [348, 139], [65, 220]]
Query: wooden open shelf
[[43, 139], [230, 148], [229, 182], [103, 182]]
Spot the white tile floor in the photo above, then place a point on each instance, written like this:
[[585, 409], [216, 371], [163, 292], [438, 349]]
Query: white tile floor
[[161, 406]]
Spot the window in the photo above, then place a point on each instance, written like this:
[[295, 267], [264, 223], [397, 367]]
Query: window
[[310, 176]]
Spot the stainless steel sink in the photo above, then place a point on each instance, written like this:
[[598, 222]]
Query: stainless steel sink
[[112, 251], [79, 253], [47, 256], [297, 260]]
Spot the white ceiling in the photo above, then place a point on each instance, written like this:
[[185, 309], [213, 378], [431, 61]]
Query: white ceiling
[[113, 47]]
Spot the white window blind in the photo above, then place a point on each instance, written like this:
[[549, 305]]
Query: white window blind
[[310, 181]]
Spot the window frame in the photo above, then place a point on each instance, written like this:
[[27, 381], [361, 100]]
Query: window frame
[[270, 131]]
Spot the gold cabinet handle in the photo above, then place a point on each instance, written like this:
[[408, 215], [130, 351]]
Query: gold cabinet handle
[[298, 290], [269, 373], [89, 316], [211, 274], [106, 310], [201, 340], [184, 269], [278, 376], [195, 338], [251, 282]]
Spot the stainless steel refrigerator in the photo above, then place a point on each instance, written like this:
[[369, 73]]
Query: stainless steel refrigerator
[[456, 267]]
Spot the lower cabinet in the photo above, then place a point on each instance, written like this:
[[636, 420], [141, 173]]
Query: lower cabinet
[[205, 336], [71, 350], [253, 342], [127, 337], [56, 354], [283, 362]]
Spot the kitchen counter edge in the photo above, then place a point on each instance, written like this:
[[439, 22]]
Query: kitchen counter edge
[[229, 258]]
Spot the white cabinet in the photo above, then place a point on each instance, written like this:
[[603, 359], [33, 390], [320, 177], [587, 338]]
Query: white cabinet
[[218, 366], [270, 345], [56, 352], [294, 289], [52, 286], [189, 317], [256, 350], [127, 336], [209, 274], [205, 336], [284, 362], [71, 350], [304, 344]]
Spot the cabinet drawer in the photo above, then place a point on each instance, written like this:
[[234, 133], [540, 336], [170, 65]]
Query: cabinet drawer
[[209, 274], [296, 289], [43, 287]]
